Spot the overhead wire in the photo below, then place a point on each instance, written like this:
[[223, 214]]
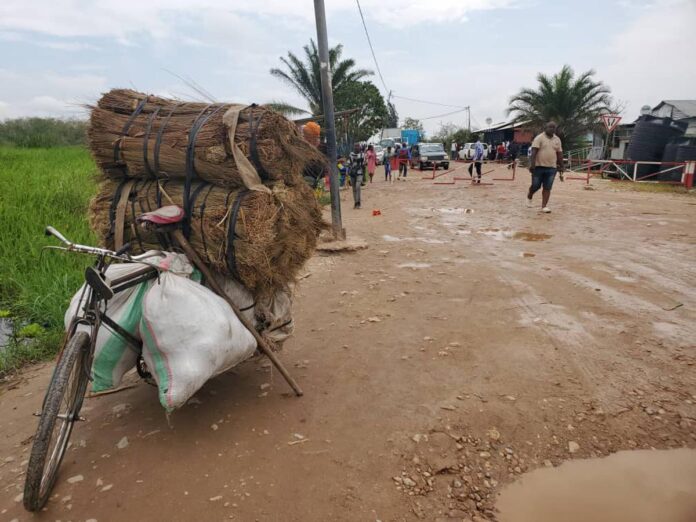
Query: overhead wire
[[429, 102], [372, 50]]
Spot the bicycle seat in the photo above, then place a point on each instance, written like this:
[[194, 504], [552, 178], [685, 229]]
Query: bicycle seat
[[168, 215]]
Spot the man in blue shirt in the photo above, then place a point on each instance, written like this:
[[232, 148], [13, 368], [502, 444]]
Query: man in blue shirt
[[478, 158]]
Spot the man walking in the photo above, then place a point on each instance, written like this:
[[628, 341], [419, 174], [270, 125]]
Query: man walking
[[478, 158], [453, 151], [357, 172], [404, 156], [546, 160]]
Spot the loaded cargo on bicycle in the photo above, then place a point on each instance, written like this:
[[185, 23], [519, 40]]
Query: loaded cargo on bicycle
[[206, 216]]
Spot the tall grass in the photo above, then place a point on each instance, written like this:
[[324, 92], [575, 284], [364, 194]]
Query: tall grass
[[40, 187], [42, 132]]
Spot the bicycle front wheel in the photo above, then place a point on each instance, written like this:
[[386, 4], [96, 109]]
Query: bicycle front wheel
[[61, 409]]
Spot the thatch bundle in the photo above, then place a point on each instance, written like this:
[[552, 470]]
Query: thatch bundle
[[263, 245], [164, 152], [136, 135]]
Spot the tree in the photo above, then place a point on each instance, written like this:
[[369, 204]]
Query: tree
[[575, 104], [305, 76], [372, 113], [413, 123], [392, 120]]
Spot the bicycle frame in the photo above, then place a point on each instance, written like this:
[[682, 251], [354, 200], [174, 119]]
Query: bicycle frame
[[97, 293]]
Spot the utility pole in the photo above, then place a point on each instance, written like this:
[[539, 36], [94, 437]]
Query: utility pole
[[468, 112], [329, 118]]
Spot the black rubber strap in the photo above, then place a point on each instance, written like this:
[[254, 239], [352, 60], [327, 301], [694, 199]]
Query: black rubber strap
[[158, 140], [280, 326], [146, 142], [126, 127], [252, 305], [253, 147], [232, 234], [198, 124], [203, 206]]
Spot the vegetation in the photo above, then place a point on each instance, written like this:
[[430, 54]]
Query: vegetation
[[574, 103], [392, 120], [413, 123], [372, 109], [305, 77], [40, 187], [449, 133], [42, 132]]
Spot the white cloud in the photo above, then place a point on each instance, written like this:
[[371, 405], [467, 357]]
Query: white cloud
[[124, 20], [652, 59]]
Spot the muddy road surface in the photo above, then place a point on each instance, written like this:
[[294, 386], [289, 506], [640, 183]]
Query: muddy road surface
[[472, 342]]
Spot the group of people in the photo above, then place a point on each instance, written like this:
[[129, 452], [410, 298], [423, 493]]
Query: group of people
[[361, 164], [545, 160]]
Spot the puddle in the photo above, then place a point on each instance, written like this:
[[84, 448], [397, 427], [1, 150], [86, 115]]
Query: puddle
[[625, 279], [431, 241], [496, 233], [629, 486], [499, 235], [391, 239], [415, 266], [454, 210], [530, 236]]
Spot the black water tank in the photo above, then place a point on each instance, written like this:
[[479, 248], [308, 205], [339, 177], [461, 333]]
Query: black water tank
[[649, 139]]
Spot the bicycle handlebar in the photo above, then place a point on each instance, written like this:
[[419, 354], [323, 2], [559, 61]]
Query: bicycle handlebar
[[74, 247]]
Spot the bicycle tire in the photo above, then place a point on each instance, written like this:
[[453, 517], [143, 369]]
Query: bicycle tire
[[41, 476]]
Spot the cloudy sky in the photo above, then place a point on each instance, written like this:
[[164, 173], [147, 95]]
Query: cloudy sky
[[60, 54]]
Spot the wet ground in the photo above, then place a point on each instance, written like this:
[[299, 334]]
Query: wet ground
[[473, 342], [628, 486]]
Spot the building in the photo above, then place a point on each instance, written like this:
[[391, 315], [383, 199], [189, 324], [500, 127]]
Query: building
[[507, 131], [679, 110]]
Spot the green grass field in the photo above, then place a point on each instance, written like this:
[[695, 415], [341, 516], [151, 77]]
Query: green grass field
[[40, 187]]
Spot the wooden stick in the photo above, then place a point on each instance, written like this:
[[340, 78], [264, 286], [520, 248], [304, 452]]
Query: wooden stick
[[263, 346]]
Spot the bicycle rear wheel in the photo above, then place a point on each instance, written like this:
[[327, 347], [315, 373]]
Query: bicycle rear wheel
[[60, 411]]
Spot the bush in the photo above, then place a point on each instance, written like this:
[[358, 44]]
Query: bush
[[43, 132]]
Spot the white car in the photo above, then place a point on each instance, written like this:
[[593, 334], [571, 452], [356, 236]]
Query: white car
[[467, 152], [379, 151]]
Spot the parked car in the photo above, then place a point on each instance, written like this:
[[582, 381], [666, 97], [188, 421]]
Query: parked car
[[467, 152], [428, 155]]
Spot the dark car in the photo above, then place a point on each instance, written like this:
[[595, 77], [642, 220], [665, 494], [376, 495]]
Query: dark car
[[429, 155]]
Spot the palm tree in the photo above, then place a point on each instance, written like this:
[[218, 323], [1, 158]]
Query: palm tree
[[575, 104], [305, 77]]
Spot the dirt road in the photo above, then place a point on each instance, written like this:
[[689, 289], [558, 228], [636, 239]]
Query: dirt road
[[473, 341]]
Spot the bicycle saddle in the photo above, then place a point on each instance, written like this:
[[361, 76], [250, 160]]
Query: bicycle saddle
[[168, 215]]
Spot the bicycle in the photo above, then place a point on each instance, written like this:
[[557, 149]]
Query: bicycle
[[73, 370], [72, 373]]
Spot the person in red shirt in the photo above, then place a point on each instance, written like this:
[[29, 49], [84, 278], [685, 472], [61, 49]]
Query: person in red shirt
[[501, 151]]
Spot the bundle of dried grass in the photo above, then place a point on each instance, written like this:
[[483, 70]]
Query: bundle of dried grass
[[132, 134], [273, 234]]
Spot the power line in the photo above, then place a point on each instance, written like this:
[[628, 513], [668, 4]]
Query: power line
[[369, 41], [445, 114], [429, 102]]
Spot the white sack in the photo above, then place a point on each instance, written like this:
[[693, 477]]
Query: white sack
[[189, 336]]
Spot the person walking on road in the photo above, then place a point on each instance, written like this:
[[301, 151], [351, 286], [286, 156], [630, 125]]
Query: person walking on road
[[387, 164], [545, 161], [478, 158], [404, 156], [453, 151], [357, 172], [371, 158]]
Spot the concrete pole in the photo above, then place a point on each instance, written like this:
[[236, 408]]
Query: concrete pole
[[329, 119]]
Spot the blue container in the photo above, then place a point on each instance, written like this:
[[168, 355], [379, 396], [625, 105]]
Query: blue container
[[410, 136]]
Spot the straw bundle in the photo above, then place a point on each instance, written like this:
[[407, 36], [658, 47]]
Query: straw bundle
[[274, 234], [155, 141]]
